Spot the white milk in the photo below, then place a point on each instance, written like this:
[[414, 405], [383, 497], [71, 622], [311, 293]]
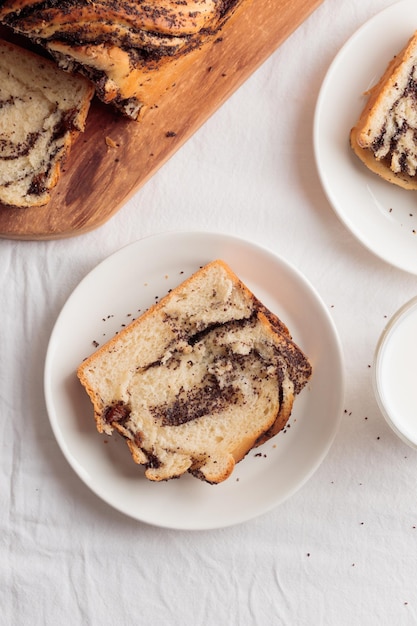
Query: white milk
[[396, 373]]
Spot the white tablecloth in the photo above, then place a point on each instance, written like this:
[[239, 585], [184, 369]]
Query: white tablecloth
[[343, 549]]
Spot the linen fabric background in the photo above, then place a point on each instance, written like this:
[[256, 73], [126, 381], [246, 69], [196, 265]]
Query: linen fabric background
[[343, 549]]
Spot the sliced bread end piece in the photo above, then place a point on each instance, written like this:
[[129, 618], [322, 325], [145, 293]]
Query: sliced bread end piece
[[43, 109]]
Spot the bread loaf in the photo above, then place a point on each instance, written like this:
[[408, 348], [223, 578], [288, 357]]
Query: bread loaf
[[385, 136], [132, 51], [42, 111], [198, 380]]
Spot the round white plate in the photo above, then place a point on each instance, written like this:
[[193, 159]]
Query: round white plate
[[382, 216], [126, 284]]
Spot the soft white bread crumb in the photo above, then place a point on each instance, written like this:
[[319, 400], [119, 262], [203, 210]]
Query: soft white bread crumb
[[42, 109], [198, 380], [385, 137]]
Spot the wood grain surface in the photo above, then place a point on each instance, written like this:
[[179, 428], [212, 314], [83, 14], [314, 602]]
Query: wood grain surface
[[98, 178]]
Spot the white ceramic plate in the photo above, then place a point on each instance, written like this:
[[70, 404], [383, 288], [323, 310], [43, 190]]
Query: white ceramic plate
[[382, 216], [108, 298]]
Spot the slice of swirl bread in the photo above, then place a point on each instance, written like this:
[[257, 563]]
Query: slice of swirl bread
[[385, 136], [198, 380], [42, 110]]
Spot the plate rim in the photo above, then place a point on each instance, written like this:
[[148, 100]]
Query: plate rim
[[208, 236]]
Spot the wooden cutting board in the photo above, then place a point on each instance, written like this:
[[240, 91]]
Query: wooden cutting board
[[114, 157]]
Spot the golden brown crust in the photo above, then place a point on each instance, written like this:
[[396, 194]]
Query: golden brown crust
[[376, 94], [380, 167], [107, 16]]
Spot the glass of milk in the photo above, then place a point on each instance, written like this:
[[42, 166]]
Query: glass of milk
[[395, 373]]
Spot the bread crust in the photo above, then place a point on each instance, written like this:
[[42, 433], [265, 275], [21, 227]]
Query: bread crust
[[381, 168]]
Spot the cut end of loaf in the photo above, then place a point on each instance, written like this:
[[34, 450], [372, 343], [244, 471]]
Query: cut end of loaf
[[200, 379], [39, 121]]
